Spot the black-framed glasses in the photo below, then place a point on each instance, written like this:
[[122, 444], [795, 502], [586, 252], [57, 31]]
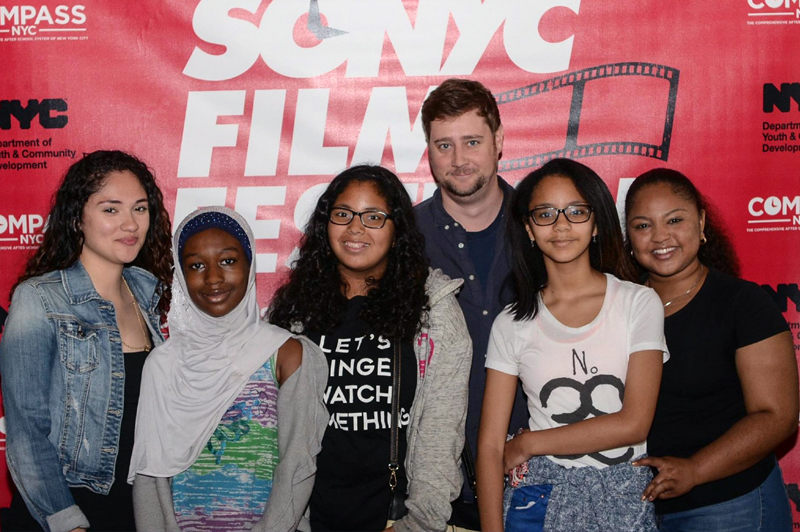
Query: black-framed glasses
[[577, 214], [371, 219]]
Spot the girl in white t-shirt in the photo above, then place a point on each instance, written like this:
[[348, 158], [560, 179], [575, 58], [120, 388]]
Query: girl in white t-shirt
[[588, 348]]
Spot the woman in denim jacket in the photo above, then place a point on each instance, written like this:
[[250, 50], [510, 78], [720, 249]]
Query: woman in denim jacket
[[83, 317]]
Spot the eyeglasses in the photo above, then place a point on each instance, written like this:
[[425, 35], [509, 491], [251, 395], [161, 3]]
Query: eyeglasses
[[370, 219], [577, 214]]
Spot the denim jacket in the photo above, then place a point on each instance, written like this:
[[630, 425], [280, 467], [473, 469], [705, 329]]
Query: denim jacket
[[63, 382]]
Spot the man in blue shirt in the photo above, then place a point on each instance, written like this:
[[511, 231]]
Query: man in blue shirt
[[464, 227]]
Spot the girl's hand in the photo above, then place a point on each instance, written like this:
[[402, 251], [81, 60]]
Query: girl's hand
[[516, 450], [676, 476]]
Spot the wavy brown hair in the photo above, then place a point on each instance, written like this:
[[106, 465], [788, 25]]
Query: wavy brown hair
[[313, 295], [453, 98], [63, 240], [718, 251]]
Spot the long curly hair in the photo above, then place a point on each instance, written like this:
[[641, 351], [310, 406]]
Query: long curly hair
[[63, 240], [528, 271], [313, 295], [718, 251]]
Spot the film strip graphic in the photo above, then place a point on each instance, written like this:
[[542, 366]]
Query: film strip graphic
[[578, 80]]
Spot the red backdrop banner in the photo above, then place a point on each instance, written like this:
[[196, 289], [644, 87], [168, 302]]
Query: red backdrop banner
[[257, 104]]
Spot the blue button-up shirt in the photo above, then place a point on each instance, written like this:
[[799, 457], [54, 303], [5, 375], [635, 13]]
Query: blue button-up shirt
[[447, 248]]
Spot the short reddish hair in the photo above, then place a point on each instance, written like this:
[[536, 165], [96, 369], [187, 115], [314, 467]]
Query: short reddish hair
[[455, 97]]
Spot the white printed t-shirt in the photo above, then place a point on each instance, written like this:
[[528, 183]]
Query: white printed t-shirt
[[571, 374]]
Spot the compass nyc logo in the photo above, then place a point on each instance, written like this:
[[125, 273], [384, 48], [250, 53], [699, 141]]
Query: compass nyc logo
[[774, 11], [773, 213], [23, 229], [29, 21]]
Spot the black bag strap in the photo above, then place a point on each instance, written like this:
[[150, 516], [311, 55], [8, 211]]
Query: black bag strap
[[469, 467], [395, 430]]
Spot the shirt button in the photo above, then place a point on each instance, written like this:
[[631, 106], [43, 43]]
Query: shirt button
[[485, 312], [471, 277], [455, 224], [446, 227], [460, 245]]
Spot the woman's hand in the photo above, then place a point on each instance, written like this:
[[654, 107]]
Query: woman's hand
[[516, 450], [768, 373], [676, 476]]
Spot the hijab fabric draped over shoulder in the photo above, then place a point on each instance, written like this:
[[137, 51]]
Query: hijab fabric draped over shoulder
[[191, 379]]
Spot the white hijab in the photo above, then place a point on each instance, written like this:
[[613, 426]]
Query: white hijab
[[190, 380]]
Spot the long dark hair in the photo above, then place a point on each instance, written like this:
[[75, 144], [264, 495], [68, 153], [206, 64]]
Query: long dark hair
[[313, 295], [63, 240], [606, 255], [718, 251]]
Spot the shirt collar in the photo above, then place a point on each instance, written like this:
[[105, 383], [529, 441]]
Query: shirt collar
[[80, 289], [77, 284]]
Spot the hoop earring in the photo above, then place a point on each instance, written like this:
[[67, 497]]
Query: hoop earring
[[703, 239]]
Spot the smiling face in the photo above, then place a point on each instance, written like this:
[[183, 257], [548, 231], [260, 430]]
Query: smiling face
[[362, 252], [115, 222], [564, 241], [665, 231], [216, 271], [463, 153]]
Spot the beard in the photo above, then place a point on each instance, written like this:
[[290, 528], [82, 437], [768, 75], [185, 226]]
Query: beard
[[464, 190]]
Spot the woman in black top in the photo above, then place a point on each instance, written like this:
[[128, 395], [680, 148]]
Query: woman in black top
[[729, 393]]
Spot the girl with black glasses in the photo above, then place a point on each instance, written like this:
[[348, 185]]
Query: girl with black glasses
[[398, 352], [588, 347]]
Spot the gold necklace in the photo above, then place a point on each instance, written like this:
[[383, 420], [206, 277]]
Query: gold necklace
[[146, 346], [699, 277]]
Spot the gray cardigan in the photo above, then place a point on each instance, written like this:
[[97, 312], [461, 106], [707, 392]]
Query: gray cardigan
[[302, 418], [439, 412]]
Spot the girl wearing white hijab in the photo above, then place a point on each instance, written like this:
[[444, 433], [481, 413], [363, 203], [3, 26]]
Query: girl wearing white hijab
[[217, 447]]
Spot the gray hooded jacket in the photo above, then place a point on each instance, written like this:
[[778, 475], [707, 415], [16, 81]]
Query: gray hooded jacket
[[439, 412]]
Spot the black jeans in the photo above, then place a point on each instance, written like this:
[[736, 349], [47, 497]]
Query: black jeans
[[465, 515]]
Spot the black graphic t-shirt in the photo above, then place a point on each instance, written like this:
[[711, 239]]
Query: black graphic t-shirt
[[351, 490]]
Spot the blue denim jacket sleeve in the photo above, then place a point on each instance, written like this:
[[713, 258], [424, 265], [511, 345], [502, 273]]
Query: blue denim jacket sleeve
[[28, 355]]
